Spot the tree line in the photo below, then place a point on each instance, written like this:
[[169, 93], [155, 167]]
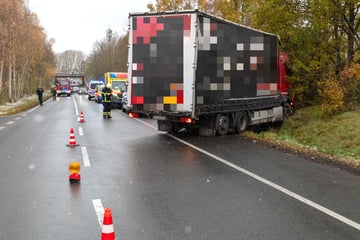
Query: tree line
[[26, 57], [108, 55], [321, 38]]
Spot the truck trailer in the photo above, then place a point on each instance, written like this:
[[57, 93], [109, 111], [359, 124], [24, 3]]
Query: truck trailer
[[189, 69]]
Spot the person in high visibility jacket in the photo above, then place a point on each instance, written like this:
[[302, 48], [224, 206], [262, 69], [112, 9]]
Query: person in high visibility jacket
[[107, 101]]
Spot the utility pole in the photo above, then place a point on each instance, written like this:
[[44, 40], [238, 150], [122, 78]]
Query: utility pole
[[109, 35]]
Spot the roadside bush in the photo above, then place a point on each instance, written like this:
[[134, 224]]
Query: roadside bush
[[350, 81], [331, 95]]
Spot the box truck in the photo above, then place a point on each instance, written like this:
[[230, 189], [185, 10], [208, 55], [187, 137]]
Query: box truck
[[189, 69]]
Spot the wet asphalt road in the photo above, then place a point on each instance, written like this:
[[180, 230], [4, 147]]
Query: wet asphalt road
[[160, 186]]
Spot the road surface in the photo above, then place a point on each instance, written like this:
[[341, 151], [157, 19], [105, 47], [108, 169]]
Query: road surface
[[160, 186]]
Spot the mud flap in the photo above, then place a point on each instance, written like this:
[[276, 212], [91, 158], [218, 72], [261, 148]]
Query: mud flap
[[164, 126]]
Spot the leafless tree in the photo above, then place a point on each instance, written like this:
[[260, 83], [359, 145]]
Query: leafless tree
[[70, 62]]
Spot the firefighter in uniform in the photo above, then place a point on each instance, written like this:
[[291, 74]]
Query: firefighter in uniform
[[107, 101]]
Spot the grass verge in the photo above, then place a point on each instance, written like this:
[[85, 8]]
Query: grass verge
[[24, 104], [335, 140]]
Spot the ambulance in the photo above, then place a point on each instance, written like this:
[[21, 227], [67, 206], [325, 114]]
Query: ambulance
[[118, 82]]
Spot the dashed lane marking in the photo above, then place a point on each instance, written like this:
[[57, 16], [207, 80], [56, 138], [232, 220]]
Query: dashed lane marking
[[85, 157], [76, 106], [99, 209], [81, 131]]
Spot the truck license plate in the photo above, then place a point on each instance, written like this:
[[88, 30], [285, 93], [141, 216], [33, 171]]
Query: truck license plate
[[157, 117]]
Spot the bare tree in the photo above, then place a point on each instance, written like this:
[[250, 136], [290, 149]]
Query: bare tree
[[70, 62], [26, 59]]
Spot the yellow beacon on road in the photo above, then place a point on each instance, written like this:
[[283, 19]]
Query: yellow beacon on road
[[74, 169]]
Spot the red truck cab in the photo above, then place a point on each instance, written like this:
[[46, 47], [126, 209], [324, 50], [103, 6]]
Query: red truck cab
[[283, 84]]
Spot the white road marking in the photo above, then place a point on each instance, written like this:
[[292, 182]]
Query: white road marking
[[31, 110], [81, 132], [85, 157], [99, 209], [2, 127], [76, 107], [294, 195], [145, 123], [10, 122]]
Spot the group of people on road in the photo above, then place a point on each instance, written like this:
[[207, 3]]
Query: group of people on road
[[106, 94], [40, 93]]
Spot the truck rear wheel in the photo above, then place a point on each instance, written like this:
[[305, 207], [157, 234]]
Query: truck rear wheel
[[242, 122], [222, 125]]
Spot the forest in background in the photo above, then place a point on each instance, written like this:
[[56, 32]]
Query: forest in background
[[26, 56], [321, 38]]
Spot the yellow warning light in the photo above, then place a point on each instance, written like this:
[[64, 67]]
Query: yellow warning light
[[74, 167]]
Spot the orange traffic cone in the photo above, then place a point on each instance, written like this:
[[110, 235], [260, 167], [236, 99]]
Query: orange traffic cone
[[81, 119], [107, 228], [72, 142]]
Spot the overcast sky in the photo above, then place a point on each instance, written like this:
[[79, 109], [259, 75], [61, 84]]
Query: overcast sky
[[78, 24]]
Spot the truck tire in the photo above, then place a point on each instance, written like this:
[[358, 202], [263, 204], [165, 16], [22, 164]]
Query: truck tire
[[288, 110], [222, 125], [241, 122]]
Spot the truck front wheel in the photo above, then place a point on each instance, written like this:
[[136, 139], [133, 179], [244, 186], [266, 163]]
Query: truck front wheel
[[288, 110], [222, 125]]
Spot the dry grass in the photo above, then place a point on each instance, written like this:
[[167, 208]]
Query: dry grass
[[21, 105], [335, 139]]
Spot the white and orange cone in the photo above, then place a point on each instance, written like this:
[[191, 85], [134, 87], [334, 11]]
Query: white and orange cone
[[81, 118], [108, 227], [72, 141]]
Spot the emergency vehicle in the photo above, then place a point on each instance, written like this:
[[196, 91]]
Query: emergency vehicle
[[98, 90], [62, 86], [91, 88], [118, 82]]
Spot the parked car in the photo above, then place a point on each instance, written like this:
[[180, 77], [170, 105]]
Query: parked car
[[117, 98], [98, 97], [91, 88], [82, 90], [75, 89], [124, 102]]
